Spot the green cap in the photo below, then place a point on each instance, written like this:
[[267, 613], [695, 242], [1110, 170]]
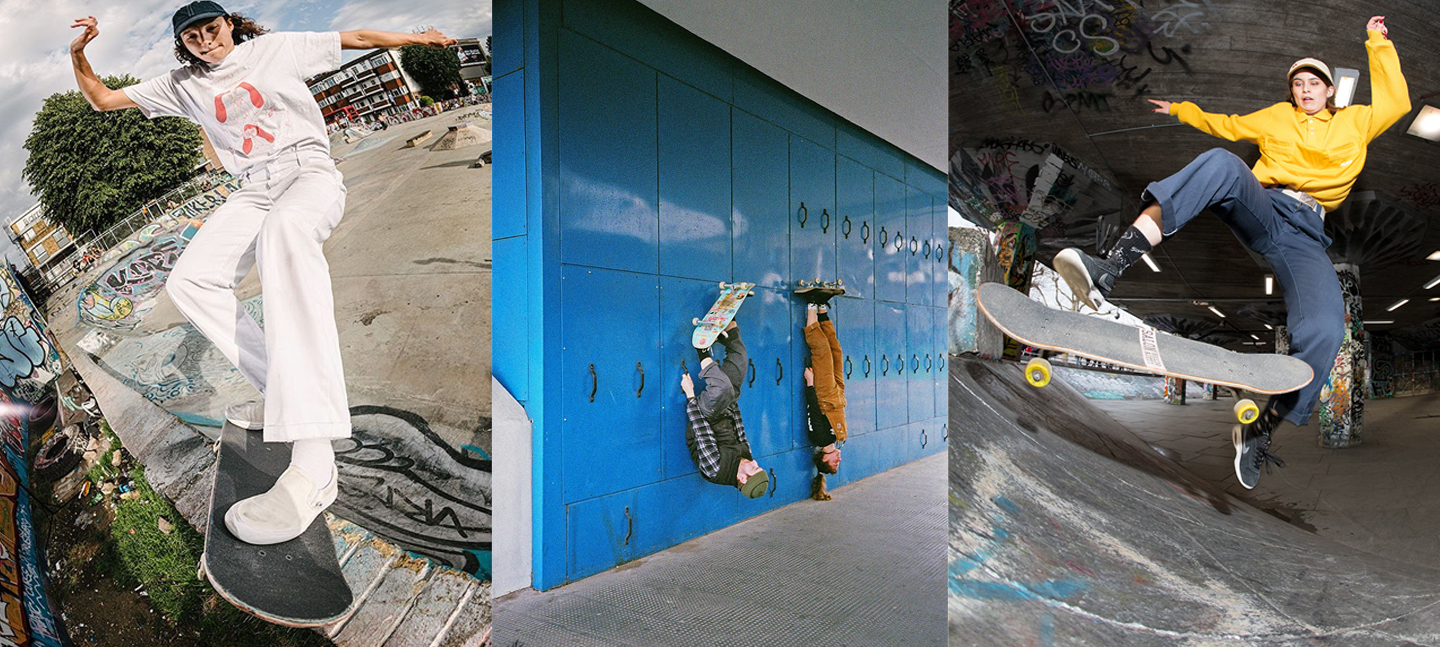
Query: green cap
[[756, 485]]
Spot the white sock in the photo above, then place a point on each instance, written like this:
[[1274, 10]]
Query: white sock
[[315, 457]]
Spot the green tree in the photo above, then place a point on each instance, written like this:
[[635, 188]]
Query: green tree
[[92, 168], [436, 70]]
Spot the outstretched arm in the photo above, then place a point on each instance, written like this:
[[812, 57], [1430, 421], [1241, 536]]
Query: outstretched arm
[[1389, 94], [1249, 128], [372, 39], [100, 97]]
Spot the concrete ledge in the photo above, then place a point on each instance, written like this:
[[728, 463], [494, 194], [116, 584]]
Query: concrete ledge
[[417, 140]]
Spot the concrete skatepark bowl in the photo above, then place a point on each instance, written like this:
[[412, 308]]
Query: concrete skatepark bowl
[[1067, 529]]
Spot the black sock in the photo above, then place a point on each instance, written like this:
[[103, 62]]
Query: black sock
[[703, 353], [1131, 246], [823, 315]]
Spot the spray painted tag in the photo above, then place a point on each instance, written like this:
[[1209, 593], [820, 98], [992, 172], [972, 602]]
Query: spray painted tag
[[1150, 350]]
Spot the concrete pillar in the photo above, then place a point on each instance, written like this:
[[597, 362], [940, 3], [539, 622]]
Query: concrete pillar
[[1015, 247], [1342, 400], [1282, 340], [1174, 390]]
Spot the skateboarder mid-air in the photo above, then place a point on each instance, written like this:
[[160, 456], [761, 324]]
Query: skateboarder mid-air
[[1310, 155], [824, 386], [715, 434], [246, 88]]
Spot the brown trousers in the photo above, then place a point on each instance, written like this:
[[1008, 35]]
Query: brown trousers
[[828, 362]]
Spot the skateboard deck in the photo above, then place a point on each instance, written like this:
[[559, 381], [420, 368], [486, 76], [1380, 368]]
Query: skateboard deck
[[297, 583], [708, 328], [832, 288], [1035, 324]]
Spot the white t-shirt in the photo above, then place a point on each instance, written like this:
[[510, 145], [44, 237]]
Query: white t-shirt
[[255, 102]]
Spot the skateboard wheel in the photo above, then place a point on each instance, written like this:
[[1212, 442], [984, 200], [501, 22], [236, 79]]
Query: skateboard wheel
[[695, 321], [1246, 411], [1037, 372]]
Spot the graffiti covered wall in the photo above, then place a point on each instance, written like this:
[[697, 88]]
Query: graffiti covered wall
[[1342, 402], [140, 264]]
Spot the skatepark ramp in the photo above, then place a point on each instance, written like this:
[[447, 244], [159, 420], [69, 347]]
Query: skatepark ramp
[[1067, 529]]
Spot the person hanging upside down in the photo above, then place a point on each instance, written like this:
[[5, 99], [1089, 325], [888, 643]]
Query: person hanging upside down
[[715, 433], [824, 385], [246, 88], [1310, 154]]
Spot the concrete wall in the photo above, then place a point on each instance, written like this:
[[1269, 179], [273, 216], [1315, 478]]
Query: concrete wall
[[640, 167]]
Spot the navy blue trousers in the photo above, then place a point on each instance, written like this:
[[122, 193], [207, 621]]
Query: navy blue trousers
[[1291, 237]]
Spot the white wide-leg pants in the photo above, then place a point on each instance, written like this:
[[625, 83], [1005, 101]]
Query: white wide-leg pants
[[280, 220]]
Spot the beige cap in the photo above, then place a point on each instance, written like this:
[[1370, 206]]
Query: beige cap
[[1314, 64]]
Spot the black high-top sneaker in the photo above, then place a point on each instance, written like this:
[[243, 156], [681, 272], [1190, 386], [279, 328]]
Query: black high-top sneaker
[[1089, 278], [1252, 447]]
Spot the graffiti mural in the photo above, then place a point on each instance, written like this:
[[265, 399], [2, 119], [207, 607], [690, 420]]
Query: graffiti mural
[[1174, 390], [1037, 184], [401, 481], [139, 266], [29, 362], [966, 249], [1342, 402]]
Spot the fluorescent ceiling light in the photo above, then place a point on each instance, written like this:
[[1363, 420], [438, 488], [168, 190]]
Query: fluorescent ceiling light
[[1397, 305], [1433, 282], [1255, 336], [1435, 298], [1150, 261], [1426, 124], [1379, 322], [1269, 284], [1269, 327], [1345, 79], [1434, 256], [1212, 309]]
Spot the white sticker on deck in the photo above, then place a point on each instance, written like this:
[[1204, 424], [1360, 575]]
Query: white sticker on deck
[[1150, 350]]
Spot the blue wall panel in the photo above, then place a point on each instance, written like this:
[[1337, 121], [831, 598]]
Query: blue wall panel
[[656, 165], [694, 138], [812, 212], [508, 207], [761, 192], [608, 190], [611, 416], [855, 211]]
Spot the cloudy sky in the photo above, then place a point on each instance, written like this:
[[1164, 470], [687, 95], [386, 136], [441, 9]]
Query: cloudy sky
[[135, 39]]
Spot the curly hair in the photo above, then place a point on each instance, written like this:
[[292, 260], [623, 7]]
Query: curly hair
[[244, 29]]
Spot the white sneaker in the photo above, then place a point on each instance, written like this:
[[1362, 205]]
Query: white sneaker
[[282, 513], [247, 415]]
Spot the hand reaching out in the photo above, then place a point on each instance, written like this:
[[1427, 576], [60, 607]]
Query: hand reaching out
[[92, 30], [433, 38], [1377, 23], [809, 376], [687, 385], [1164, 106]]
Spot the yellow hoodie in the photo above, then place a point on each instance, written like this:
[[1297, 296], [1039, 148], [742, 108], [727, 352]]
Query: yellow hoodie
[[1321, 154]]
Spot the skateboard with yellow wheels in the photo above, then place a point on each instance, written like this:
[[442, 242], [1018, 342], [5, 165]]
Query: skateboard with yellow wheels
[[1143, 349]]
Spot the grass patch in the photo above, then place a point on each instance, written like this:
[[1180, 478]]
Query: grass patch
[[164, 566]]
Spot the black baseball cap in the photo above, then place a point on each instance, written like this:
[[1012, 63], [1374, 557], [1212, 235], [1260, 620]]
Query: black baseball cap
[[195, 12]]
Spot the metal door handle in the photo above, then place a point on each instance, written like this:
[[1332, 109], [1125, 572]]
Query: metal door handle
[[594, 383], [886, 369], [752, 372], [865, 232], [640, 368], [899, 242], [804, 215], [924, 439], [867, 365], [845, 227], [940, 362], [884, 236], [939, 250], [926, 249], [915, 357], [927, 362], [683, 367], [900, 359], [945, 431], [848, 367], [629, 525], [782, 370], [825, 224], [774, 484], [914, 246]]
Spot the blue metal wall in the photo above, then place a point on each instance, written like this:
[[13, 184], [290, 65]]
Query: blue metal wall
[[636, 167]]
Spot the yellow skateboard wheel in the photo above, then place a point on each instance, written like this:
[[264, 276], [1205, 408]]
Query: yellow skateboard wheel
[[1246, 411], [1037, 372]]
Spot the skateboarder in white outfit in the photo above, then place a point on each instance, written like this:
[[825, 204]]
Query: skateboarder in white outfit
[[246, 88]]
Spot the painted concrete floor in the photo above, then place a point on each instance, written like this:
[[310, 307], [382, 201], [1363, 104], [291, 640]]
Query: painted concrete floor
[[1378, 497], [867, 568]]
